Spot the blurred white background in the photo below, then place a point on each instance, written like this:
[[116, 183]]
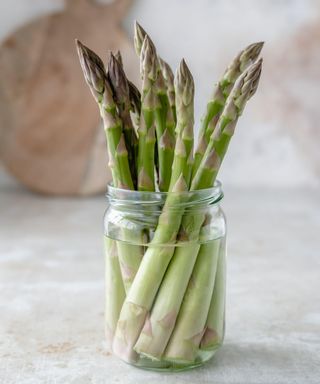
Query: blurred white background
[[278, 137]]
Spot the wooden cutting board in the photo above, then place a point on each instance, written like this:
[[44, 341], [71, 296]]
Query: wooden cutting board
[[50, 134]]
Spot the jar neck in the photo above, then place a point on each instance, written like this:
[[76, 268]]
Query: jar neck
[[136, 200]]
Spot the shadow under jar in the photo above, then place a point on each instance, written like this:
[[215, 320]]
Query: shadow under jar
[[165, 276]]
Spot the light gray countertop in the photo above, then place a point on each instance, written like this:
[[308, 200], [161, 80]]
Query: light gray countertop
[[52, 292]]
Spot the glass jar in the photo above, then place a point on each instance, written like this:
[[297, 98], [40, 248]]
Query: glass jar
[[165, 276]]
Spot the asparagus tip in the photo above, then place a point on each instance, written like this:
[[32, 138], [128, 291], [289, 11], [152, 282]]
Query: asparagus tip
[[139, 35], [184, 83], [118, 80], [148, 59], [255, 70], [118, 56], [250, 54], [246, 85], [93, 69]]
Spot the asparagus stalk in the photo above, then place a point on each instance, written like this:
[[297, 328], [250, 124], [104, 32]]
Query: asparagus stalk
[[215, 324], [114, 287], [156, 259], [187, 332], [165, 135], [139, 35], [121, 92], [222, 90], [96, 78], [164, 119], [147, 139], [129, 255]]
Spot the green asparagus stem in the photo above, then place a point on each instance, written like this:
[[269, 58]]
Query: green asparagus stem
[[165, 134], [120, 87], [114, 287], [164, 119], [222, 90], [147, 138], [129, 255], [156, 259], [139, 35], [96, 78], [187, 332], [214, 329]]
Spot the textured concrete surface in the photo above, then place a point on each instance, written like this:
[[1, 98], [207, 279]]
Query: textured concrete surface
[[52, 292]]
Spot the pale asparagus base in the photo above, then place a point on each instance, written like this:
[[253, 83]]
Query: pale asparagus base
[[115, 293], [160, 323], [215, 324], [190, 326], [130, 257]]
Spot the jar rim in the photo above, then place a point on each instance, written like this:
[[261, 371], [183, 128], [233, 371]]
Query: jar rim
[[210, 195]]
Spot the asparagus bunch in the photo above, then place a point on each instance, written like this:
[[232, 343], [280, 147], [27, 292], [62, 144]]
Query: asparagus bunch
[[168, 303]]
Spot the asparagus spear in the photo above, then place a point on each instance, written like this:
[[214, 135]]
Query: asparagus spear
[[139, 35], [129, 255], [96, 78], [187, 333], [214, 329], [156, 259], [149, 73], [114, 287], [120, 87], [222, 90], [164, 119], [165, 134]]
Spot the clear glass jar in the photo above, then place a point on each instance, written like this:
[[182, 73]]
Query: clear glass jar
[[165, 276]]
